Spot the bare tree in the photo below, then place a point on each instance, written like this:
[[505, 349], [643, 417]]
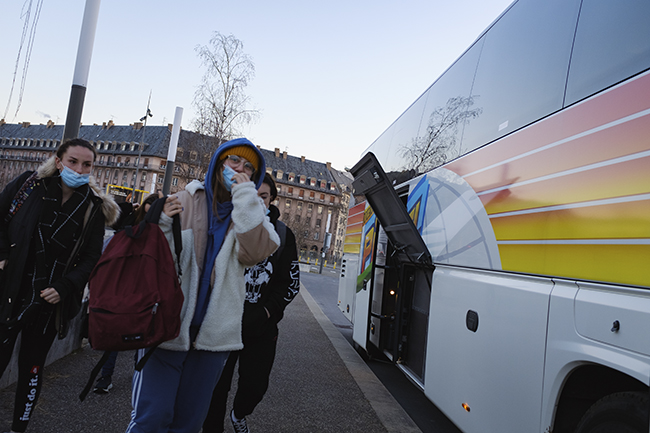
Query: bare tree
[[439, 143], [301, 229], [193, 157], [220, 101]]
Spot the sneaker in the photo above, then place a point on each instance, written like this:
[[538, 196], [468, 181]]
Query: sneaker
[[103, 385], [239, 424]]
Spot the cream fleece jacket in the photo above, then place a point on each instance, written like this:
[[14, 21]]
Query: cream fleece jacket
[[250, 239]]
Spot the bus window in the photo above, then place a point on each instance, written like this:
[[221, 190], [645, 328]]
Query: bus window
[[608, 51]]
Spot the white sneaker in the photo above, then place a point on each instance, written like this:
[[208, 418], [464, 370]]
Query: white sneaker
[[239, 425]]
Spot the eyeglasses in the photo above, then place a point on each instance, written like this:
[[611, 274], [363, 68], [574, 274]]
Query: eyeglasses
[[238, 159]]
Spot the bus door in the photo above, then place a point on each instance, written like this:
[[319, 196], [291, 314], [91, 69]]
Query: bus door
[[402, 274]]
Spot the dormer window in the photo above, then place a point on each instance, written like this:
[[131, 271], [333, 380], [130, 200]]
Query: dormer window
[[312, 181], [303, 178], [292, 177]]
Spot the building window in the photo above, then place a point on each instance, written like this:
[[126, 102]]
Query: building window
[[318, 223], [331, 199], [287, 203], [292, 177], [163, 165], [320, 210], [310, 207], [312, 194], [312, 181], [278, 174], [322, 198], [303, 178], [174, 181], [323, 184], [144, 176], [161, 179], [297, 218], [290, 191], [193, 156], [299, 205], [316, 236]]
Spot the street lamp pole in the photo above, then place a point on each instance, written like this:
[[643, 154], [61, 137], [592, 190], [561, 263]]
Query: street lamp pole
[[142, 144]]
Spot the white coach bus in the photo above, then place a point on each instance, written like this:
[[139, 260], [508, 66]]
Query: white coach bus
[[504, 261]]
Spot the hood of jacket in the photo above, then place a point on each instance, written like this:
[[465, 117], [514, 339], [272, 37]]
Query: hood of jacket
[[215, 158], [110, 209]]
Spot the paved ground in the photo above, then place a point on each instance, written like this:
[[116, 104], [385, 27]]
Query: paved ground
[[319, 384]]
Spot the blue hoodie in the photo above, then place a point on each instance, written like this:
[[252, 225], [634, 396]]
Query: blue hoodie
[[218, 226]]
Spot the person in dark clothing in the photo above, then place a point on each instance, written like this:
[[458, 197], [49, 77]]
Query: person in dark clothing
[[270, 286], [51, 230]]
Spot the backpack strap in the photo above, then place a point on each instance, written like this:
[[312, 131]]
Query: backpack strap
[[20, 197], [153, 216], [93, 374]]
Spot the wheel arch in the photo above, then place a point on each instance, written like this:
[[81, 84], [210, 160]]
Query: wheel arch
[[585, 385]]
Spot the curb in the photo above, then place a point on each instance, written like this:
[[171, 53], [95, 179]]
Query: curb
[[388, 410]]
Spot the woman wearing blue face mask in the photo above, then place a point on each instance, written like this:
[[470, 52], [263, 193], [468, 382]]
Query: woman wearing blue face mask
[[51, 231], [224, 229]]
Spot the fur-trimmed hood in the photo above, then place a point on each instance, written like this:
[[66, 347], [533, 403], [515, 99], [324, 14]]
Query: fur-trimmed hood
[[110, 209]]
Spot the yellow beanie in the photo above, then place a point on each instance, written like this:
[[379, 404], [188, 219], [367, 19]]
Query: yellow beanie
[[245, 152]]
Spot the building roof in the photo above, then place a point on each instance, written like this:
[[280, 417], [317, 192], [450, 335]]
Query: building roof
[[300, 166], [156, 137]]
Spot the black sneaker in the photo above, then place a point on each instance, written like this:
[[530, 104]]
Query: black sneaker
[[103, 385], [239, 425]]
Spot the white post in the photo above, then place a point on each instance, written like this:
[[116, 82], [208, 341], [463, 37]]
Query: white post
[[171, 152], [82, 68]]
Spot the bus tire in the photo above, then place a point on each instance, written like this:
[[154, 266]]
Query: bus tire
[[622, 412]]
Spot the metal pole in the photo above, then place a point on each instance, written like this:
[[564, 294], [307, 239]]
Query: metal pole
[[171, 151], [144, 127], [82, 67]]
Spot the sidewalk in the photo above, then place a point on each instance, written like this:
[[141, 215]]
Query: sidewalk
[[319, 384]]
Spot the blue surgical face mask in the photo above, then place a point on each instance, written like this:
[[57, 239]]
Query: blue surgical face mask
[[228, 173], [268, 211], [73, 179]]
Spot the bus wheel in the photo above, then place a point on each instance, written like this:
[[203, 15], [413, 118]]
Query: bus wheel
[[623, 412]]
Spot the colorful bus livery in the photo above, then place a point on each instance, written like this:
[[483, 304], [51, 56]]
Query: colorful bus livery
[[512, 275], [570, 195]]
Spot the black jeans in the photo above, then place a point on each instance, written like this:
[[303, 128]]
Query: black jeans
[[255, 364], [37, 338]]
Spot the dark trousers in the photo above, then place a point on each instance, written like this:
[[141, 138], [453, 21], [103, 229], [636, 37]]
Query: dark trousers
[[37, 338], [255, 364], [109, 367]]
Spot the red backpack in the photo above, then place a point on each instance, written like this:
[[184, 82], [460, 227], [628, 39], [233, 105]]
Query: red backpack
[[135, 294]]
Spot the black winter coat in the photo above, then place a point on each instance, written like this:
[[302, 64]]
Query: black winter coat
[[15, 241]]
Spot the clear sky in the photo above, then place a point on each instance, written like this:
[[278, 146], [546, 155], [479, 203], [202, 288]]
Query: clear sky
[[330, 76]]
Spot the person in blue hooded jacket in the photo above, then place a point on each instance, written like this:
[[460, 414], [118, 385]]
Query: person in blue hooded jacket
[[224, 230]]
